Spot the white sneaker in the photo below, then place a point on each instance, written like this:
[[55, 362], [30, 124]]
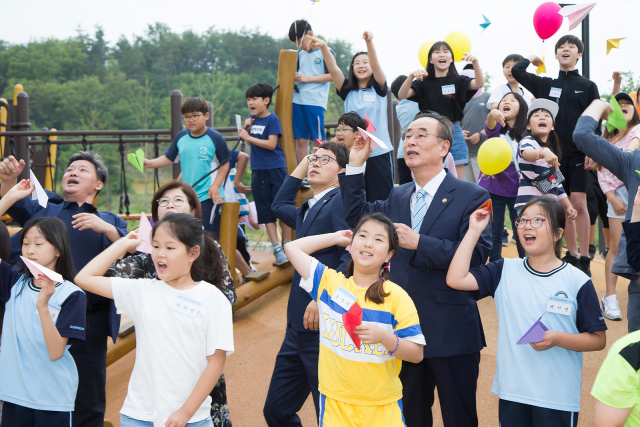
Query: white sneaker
[[610, 308]]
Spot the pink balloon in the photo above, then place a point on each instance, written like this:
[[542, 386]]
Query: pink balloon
[[546, 19]]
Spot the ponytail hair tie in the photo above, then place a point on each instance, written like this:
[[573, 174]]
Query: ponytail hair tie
[[383, 279], [385, 267]]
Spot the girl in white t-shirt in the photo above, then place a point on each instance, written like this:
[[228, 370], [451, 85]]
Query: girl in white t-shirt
[[183, 322]]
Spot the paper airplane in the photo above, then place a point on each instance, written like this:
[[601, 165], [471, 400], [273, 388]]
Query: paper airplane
[[541, 68], [611, 43], [350, 320], [318, 141], [485, 24], [375, 141], [638, 172], [370, 126], [576, 13], [38, 270], [137, 159], [616, 119], [38, 193], [488, 206], [144, 233], [238, 121], [534, 334]]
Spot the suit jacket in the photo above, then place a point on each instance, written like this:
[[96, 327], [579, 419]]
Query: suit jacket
[[326, 216], [449, 319]]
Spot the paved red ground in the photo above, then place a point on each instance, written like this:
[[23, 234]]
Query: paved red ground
[[259, 331]]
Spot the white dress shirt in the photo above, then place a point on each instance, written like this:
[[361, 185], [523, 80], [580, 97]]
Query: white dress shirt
[[315, 199]]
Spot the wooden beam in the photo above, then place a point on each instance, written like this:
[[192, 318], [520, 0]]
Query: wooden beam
[[284, 104]]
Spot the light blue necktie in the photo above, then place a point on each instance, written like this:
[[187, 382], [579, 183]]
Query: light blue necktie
[[419, 209]]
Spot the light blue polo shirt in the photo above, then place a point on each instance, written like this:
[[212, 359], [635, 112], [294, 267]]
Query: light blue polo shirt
[[28, 377], [373, 103], [198, 156], [546, 379], [311, 64], [405, 111]]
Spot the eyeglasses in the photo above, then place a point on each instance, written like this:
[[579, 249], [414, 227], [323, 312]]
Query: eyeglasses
[[192, 118], [324, 159], [420, 136], [361, 64], [177, 201], [534, 222], [343, 130]]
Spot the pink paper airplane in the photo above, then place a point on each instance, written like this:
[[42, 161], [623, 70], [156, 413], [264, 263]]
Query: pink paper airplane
[[144, 233], [38, 270], [375, 141], [576, 13], [370, 126], [534, 334]]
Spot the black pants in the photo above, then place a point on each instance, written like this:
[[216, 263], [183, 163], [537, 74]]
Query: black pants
[[294, 376], [596, 201], [513, 414], [91, 361], [404, 173], [378, 177], [456, 378], [241, 244], [19, 416]]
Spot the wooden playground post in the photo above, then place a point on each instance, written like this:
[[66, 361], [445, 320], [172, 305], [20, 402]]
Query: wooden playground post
[[3, 119], [22, 124], [284, 104], [228, 234]]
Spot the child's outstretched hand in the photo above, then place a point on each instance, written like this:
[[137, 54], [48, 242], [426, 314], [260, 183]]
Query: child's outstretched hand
[[535, 60], [498, 117], [316, 42], [369, 334], [617, 77], [550, 158], [469, 57], [47, 289], [479, 220], [130, 242], [21, 190], [367, 36], [418, 74], [343, 237], [548, 341]]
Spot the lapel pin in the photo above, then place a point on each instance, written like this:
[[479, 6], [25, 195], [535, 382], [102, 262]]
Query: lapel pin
[[444, 200]]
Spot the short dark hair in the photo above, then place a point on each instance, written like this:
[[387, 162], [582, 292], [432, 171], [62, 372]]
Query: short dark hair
[[260, 90], [445, 127], [192, 198], [339, 150], [514, 57], [194, 105], [93, 158], [571, 40], [468, 67], [353, 120], [298, 29], [397, 84]]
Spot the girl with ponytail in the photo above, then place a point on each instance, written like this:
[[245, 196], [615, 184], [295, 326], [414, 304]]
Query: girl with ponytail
[[369, 324], [183, 322]]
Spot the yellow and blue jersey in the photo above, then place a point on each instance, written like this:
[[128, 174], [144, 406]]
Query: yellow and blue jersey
[[367, 375]]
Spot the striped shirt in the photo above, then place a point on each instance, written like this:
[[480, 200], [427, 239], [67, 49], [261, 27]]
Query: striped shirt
[[531, 170], [608, 181]]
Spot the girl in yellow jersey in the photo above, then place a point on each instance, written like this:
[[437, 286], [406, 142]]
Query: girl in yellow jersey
[[359, 365]]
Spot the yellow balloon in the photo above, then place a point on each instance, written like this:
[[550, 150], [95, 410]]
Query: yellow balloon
[[423, 53], [459, 43], [494, 156]]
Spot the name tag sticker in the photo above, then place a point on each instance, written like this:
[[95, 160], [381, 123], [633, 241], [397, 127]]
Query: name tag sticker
[[559, 306], [186, 306], [449, 90], [54, 310], [555, 92], [367, 97], [344, 298]]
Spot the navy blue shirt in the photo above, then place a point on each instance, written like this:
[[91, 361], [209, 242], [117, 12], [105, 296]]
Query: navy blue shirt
[[262, 158]]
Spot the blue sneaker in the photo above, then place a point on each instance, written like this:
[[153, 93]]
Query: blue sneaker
[[281, 257]]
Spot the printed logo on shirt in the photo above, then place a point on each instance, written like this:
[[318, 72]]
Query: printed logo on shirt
[[317, 60], [562, 294], [579, 91], [258, 130], [203, 150], [76, 327]]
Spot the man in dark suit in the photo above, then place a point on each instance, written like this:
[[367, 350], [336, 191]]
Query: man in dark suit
[[296, 370], [431, 216]]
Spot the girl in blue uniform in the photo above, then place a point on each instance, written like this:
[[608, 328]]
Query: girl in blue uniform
[[364, 92], [548, 312], [38, 377]]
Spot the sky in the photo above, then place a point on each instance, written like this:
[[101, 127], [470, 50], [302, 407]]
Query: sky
[[399, 26]]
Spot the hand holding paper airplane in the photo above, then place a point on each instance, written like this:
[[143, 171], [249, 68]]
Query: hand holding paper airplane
[[19, 191], [375, 141], [36, 270], [39, 193]]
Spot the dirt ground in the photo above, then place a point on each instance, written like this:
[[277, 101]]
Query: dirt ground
[[259, 330]]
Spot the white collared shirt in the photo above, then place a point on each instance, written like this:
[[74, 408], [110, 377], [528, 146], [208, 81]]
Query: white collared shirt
[[315, 199]]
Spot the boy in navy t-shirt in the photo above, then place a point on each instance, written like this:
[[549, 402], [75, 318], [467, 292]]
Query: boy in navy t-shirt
[[199, 149], [268, 167], [311, 91]]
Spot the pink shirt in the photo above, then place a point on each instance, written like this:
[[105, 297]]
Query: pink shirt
[[608, 181]]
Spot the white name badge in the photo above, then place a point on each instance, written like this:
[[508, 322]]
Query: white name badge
[[344, 298], [186, 306], [367, 97], [54, 310], [449, 90], [559, 306], [555, 92]]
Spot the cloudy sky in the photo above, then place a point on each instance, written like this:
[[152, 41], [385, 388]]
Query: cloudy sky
[[399, 26]]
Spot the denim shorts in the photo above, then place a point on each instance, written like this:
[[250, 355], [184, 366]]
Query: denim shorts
[[459, 149], [132, 422], [622, 194]]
